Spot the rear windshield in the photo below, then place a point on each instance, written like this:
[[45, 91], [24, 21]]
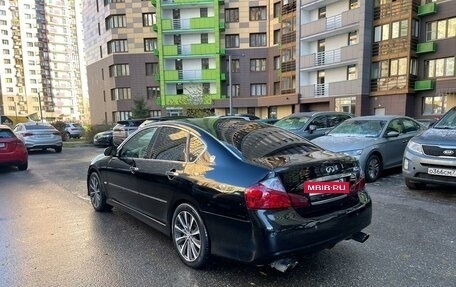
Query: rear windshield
[[76, 125], [6, 134], [39, 127], [255, 139]]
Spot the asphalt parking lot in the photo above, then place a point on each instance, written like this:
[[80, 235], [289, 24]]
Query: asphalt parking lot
[[50, 236]]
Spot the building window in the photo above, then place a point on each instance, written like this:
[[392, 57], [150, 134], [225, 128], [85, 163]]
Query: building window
[[235, 65], [276, 37], [119, 70], [276, 88], [438, 105], [206, 88], [6, 52], [120, 94], [258, 65], [4, 32], [353, 4], [155, 113], [204, 38], [258, 13], [235, 90], [106, 2], [203, 12], [351, 72], [257, 39], [441, 29], [151, 69], [117, 46], [150, 44], [277, 63], [204, 63], [149, 19], [121, 116], [322, 12], [381, 33], [232, 41], [232, 15], [347, 104], [277, 9], [399, 29], [258, 90], [153, 92], [353, 38], [116, 21], [443, 67]]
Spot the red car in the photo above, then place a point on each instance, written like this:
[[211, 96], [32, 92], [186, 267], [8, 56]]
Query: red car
[[12, 149]]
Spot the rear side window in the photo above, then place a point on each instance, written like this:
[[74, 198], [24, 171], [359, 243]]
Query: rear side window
[[6, 134], [170, 144]]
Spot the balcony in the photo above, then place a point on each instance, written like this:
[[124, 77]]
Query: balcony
[[178, 100], [427, 9], [330, 59], [391, 84], [186, 3], [427, 47], [191, 24], [315, 4], [183, 76], [424, 85], [191, 50], [343, 88], [335, 25]]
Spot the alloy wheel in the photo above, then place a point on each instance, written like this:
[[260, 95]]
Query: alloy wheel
[[95, 190], [187, 236]]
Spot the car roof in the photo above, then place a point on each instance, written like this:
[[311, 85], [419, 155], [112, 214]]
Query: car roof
[[383, 117], [5, 127], [315, 113]]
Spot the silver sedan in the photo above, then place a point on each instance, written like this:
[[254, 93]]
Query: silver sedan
[[378, 142], [39, 136]]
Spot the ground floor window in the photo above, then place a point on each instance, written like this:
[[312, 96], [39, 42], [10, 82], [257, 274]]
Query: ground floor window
[[174, 111], [439, 104], [347, 104], [272, 112]]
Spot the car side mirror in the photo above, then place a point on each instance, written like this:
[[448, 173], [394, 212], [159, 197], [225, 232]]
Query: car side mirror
[[312, 128], [392, 134], [110, 151]]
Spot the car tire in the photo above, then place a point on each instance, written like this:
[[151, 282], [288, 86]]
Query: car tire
[[414, 185], [97, 194], [374, 168], [190, 237], [22, 166], [58, 149]]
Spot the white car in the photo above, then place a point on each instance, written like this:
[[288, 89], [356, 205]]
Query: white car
[[39, 136]]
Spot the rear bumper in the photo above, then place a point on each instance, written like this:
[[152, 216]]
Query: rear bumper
[[15, 158], [280, 234], [35, 145]]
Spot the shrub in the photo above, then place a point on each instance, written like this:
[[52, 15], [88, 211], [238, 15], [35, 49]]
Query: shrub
[[92, 130]]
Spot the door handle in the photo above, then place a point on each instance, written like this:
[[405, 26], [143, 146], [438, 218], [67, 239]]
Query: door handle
[[171, 174], [134, 169]]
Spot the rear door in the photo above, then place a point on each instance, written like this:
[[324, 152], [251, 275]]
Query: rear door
[[161, 175], [393, 147]]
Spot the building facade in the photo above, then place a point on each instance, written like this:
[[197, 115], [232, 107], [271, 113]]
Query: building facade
[[270, 57], [40, 60]]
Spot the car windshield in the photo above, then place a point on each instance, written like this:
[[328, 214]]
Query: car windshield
[[361, 128], [448, 121], [292, 123]]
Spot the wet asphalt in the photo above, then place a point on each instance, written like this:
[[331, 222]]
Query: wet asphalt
[[51, 236]]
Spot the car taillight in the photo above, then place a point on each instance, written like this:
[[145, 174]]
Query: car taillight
[[270, 194], [27, 135]]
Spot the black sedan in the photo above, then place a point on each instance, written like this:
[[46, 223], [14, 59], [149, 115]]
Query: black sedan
[[103, 138], [232, 188]]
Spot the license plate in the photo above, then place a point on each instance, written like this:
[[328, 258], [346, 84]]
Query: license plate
[[442, 172], [2, 145]]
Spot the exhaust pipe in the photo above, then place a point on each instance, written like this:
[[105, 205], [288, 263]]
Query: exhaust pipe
[[360, 237], [283, 264]]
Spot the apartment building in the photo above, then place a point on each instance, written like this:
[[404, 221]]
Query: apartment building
[[435, 87], [40, 60], [121, 65]]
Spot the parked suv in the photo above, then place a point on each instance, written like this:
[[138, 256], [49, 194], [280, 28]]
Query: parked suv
[[73, 130], [311, 125], [430, 157], [123, 129]]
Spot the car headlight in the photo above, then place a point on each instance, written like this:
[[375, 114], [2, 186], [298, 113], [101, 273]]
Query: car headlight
[[415, 147], [354, 153]]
